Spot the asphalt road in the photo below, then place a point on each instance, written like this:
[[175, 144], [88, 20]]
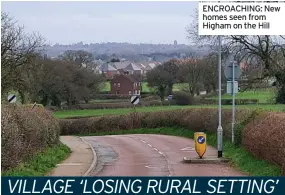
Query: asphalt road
[[151, 155]]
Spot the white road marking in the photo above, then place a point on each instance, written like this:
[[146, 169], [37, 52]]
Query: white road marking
[[168, 163], [187, 148], [150, 167]]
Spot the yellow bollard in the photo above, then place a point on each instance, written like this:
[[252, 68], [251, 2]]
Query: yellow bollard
[[200, 143]]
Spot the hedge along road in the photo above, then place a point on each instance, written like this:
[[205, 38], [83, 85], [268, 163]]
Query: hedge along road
[[118, 111], [151, 155]]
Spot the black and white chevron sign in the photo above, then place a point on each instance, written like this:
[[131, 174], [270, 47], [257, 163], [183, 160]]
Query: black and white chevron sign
[[12, 98], [135, 99]]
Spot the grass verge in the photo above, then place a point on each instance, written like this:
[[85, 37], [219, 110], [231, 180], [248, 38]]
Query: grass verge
[[42, 163], [240, 158]]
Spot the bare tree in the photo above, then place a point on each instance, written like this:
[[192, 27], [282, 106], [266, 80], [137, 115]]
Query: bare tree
[[210, 73], [56, 81], [159, 79], [172, 68], [18, 50], [78, 56], [257, 51], [191, 72]]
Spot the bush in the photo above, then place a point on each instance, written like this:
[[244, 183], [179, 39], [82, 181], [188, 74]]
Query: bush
[[151, 97], [110, 105], [182, 98], [147, 94], [194, 119], [240, 126], [25, 132], [31, 105], [264, 137], [229, 101], [110, 96]]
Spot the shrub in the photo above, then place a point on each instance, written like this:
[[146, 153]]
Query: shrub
[[265, 138], [31, 105], [182, 98], [110, 96], [111, 105], [189, 118], [149, 98], [240, 126], [25, 132], [229, 101]]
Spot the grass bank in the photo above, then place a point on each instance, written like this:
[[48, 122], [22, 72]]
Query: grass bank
[[240, 158], [42, 163], [263, 95], [119, 111]]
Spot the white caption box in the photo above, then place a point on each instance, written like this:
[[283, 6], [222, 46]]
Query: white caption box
[[241, 18]]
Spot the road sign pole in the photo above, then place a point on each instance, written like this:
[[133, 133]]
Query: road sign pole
[[232, 72], [220, 129], [233, 103], [134, 100]]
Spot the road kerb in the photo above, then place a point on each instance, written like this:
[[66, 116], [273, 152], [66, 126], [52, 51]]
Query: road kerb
[[205, 160], [94, 161]]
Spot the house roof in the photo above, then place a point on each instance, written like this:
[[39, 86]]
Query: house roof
[[152, 65], [132, 66], [147, 67], [141, 66], [107, 67], [122, 64], [132, 78]]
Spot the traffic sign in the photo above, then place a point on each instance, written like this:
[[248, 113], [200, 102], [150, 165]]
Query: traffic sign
[[229, 70], [12, 98], [230, 87], [201, 139], [200, 143], [34, 105], [135, 99]]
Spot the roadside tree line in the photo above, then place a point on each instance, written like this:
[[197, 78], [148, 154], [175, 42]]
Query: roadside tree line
[[195, 73], [38, 79]]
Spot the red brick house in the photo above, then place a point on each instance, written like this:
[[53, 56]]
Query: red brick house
[[126, 85]]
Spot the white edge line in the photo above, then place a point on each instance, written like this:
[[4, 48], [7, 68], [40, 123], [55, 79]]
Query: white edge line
[[94, 161], [143, 141], [149, 145], [155, 149]]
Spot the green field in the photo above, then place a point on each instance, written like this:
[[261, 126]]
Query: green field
[[145, 88], [101, 112], [264, 96]]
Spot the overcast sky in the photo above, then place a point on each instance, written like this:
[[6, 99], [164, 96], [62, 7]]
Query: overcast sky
[[134, 22]]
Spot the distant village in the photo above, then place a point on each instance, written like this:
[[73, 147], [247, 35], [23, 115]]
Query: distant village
[[125, 76]]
